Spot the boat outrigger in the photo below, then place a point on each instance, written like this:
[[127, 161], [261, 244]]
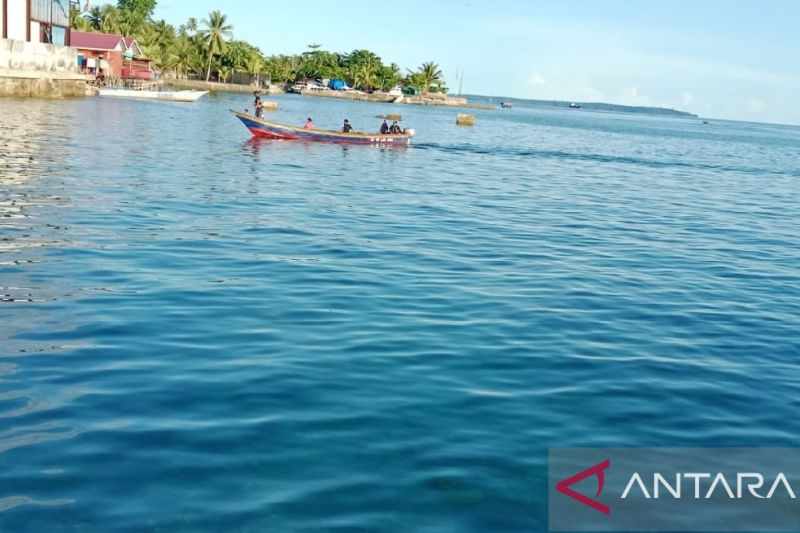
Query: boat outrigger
[[272, 130]]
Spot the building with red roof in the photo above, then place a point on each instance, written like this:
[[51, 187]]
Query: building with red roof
[[111, 55]]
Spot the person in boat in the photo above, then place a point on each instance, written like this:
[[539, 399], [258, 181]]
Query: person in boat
[[384, 128], [309, 124], [346, 127], [257, 104], [395, 129]]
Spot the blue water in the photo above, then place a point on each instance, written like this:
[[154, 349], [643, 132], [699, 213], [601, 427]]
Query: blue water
[[199, 332]]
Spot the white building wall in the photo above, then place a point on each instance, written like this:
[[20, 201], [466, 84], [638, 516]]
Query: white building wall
[[36, 32], [35, 58], [17, 19]]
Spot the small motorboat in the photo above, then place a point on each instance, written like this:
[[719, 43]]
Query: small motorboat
[[272, 130], [573, 105], [170, 96]]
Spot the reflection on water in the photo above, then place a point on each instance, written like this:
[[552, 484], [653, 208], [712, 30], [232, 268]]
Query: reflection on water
[[280, 336]]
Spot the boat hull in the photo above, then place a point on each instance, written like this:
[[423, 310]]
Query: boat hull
[[271, 130], [169, 96]]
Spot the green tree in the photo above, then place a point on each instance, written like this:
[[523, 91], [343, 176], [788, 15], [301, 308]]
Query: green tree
[[317, 63], [389, 77], [237, 54], [110, 20], [214, 36], [77, 21], [95, 18], [191, 25], [183, 55], [282, 68], [134, 14], [426, 77], [254, 64]]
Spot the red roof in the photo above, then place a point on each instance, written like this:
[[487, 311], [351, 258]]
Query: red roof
[[97, 41]]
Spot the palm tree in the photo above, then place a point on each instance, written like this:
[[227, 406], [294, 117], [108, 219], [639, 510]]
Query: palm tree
[[96, 18], [77, 20], [367, 74], [429, 75], [110, 19], [191, 25], [214, 34], [182, 56], [254, 64]]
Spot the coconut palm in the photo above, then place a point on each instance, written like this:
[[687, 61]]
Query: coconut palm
[[254, 64], [109, 19], [191, 25], [77, 20], [182, 56], [213, 36], [429, 74], [96, 18]]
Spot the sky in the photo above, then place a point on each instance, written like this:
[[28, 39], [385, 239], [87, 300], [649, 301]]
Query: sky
[[734, 59]]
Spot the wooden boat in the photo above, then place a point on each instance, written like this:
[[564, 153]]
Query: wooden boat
[[263, 128], [169, 96]]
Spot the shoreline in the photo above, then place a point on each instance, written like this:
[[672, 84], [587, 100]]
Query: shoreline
[[432, 99]]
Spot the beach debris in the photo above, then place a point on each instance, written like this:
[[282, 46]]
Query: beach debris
[[463, 119]]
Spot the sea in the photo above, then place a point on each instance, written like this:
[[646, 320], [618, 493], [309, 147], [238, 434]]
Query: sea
[[204, 332]]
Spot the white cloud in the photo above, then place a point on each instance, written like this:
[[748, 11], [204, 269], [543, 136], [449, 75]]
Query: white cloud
[[632, 96], [686, 99], [756, 106], [536, 79], [588, 94]]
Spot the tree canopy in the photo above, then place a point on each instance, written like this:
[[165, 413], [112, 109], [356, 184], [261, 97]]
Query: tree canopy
[[205, 45]]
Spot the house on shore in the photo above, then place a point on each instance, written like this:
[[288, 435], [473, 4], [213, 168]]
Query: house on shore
[[111, 55], [35, 57]]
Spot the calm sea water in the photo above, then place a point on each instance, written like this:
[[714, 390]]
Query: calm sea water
[[200, 332]]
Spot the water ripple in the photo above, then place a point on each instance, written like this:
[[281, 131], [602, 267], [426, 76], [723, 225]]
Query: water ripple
[[281, 336]]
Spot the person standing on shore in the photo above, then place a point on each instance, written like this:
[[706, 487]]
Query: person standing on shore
[[309, 124], [347, 128]]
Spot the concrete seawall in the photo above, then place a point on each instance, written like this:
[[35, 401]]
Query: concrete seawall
[[39, 70]]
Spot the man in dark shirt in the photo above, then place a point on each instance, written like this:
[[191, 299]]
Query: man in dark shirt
[[347, 128], [384, 128], [257, 104], [395, 129]]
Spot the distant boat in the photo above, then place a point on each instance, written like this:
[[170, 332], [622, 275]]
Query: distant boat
[[573, 105], [272, 130], [506, 105], [170, 96]]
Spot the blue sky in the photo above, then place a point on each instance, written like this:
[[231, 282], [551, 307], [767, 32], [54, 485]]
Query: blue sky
[[723, 59]]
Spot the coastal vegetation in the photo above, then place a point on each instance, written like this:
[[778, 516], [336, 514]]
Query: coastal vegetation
[[206, 48]]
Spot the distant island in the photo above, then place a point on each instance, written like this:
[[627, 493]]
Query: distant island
[[593, 106]]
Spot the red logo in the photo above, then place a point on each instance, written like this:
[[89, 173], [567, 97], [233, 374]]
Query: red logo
[[596, 470]]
